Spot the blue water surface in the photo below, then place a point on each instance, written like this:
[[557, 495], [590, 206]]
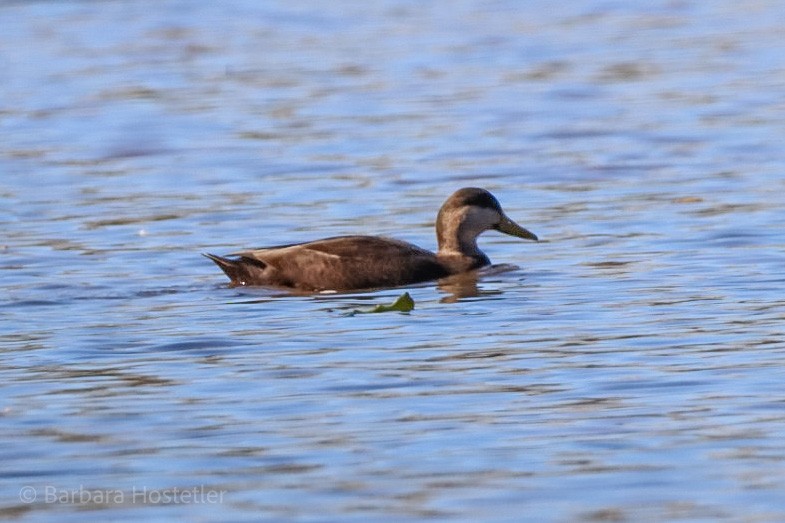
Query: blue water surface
[[630, 368]]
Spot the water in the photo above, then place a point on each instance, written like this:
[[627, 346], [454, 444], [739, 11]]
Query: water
[[630, 369]]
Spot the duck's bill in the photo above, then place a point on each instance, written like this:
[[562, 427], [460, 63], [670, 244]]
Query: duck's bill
[[507, 226]]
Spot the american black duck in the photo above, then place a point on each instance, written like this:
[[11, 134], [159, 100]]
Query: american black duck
[[363, 262]]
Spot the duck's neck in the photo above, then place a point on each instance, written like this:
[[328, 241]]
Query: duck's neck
[[458, 244], [455, 239]]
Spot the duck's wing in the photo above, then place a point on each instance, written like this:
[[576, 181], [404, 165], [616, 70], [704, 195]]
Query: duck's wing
[[344, 262], [344, 246]]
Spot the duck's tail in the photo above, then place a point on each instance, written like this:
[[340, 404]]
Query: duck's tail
[[237, 270]]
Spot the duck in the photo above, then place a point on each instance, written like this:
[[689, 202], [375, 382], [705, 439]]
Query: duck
[[347, 263]]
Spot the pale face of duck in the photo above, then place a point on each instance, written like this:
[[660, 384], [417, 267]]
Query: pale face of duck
[[468, 213]]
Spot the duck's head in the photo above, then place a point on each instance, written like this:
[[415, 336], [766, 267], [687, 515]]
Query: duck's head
[[466, 214]]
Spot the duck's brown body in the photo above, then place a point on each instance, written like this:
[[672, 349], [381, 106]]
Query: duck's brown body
[[341, 263], [361, 262]]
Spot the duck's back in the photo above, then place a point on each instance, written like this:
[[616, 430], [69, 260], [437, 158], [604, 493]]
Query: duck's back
[[341, 263]]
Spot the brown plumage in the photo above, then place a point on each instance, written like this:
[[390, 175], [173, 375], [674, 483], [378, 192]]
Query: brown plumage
[[362, 262]]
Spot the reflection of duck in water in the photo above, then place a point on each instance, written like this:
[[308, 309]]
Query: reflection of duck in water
[[362, 262]]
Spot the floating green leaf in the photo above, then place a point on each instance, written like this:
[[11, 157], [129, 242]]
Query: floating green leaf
[[404, 303]]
